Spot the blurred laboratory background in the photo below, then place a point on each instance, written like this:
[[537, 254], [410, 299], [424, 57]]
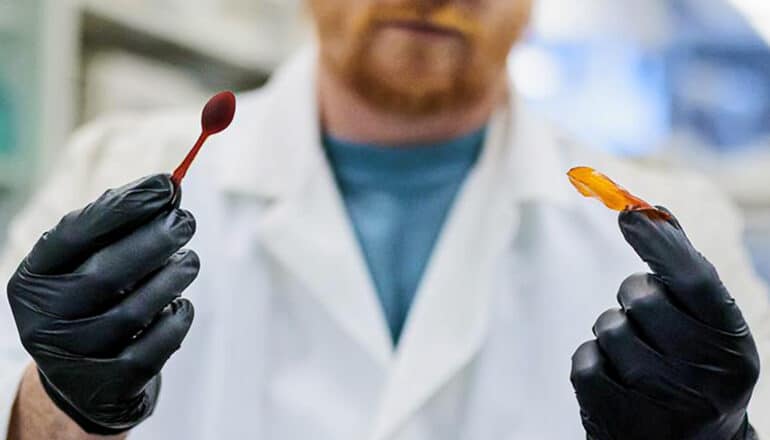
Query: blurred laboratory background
[[676, 83]]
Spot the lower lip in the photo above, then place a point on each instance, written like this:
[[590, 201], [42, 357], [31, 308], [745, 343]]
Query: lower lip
[[423, 29]]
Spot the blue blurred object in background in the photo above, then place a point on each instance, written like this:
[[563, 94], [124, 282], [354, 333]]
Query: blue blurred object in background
[[709, 75], [721, 93], [612, 94], [684, 81], [719, 72]]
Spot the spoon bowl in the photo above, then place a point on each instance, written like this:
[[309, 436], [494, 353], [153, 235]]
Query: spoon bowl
[[217, 115]]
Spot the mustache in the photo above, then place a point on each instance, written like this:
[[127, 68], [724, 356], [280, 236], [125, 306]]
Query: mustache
[[447, 17]]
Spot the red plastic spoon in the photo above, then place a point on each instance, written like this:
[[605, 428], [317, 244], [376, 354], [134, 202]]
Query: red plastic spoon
[[217, 116]]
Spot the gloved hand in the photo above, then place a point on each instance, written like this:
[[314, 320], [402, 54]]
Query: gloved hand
[[97, 303], [677, 361]]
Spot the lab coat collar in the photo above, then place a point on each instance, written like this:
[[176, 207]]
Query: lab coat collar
[[273, 138], [278, 125], [538, 158]]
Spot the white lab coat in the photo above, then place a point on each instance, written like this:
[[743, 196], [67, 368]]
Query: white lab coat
[[289, 341]]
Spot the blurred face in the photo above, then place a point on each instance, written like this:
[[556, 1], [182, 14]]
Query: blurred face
[[418, 56]]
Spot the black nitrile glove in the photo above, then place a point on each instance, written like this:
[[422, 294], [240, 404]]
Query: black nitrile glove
[[97, 303], [678, 361]]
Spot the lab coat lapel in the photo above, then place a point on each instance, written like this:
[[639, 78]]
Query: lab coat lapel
[[309, 234], [305, 226]]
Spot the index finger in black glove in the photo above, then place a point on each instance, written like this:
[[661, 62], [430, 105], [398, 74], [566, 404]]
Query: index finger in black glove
[[691, 281], [82, 232], [106, 248]]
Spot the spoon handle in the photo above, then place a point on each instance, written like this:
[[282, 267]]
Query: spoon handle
[[181, 170]]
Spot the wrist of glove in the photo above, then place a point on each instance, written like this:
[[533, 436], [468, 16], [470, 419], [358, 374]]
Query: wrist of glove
[[98, 305], [676, 361], [745, 433], [125, 417]]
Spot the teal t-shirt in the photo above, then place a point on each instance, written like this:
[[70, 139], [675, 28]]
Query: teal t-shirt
[[397, 198]]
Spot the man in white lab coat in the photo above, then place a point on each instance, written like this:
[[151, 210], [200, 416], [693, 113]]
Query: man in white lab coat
[[499, 268]]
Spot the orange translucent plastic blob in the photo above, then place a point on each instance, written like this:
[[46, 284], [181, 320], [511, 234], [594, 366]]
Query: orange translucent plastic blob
[[592, 183]]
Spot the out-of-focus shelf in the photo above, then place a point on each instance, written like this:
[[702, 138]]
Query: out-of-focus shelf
[[246, 43], [12, 173], [11, 19], [5, 181], [8, 25]]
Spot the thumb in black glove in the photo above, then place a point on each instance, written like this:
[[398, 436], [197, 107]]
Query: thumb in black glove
[[677, 361], [97, 305]]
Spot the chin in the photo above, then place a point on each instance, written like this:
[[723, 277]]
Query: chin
[[399, 92], [416, 70], [417, 58], [416, 81]]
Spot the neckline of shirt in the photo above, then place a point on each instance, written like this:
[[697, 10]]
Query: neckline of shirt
[[403, 165]]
